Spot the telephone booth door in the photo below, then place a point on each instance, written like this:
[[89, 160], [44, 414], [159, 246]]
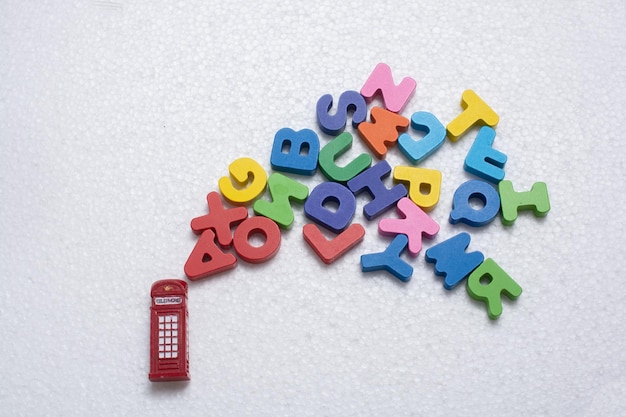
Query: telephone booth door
[[169, 353]]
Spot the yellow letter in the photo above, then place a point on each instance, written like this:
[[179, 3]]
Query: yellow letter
[[424, 185], [249, 178], [474, 110]]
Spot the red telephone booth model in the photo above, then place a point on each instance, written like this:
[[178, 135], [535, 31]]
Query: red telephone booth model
[[169, 349]]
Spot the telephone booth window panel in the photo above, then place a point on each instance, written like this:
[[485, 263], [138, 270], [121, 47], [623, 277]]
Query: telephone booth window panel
[[168, 336], [169, 353]]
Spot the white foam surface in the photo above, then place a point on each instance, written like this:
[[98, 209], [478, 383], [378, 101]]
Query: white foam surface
[[118, 117]]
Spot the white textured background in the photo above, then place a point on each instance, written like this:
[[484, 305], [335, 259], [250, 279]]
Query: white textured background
[[117, 118]]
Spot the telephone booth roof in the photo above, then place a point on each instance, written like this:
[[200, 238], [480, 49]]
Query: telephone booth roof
[[169, 286]]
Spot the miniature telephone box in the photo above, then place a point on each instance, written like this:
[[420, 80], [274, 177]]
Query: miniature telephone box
[[169, 354]]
